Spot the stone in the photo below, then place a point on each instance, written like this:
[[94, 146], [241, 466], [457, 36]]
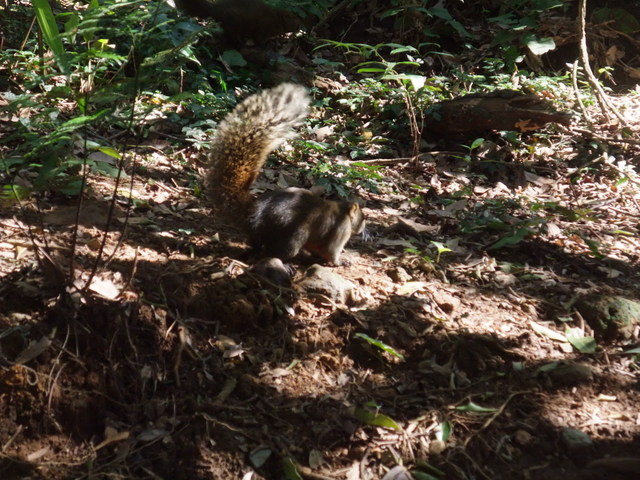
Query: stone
[[576, 441], [322, 281], [570, 373], [610, 316]]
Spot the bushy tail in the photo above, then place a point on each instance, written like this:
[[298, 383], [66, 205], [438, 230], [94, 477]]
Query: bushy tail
[[247, 135]]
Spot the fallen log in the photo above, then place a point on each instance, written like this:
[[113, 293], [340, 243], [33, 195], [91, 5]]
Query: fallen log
[[498, 110]]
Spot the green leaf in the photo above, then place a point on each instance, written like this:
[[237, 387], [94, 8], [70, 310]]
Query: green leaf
[[443, 431], [71, 186], [110, 151], [418, 475], [579, 341], [50, 33], [259, 456], [444, 14], [440, 246], [475, 408], [371, 70], [441, 249], [71, 26], [13, 193], [417, 81], [422, 465], [547, 368], [380, 345], [233, 58], [594, 246], [539, 46], [402, 48], [517, 237], [624, 21], [290, 470], [476, 143], [107, 169], [374, 418], [82, 120]]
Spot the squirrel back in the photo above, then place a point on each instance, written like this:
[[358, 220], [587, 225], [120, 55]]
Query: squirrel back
[[284, 221]]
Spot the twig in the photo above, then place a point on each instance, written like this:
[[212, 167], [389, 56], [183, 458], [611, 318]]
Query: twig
[[606, 161], [134, 269], [308, 473], [607, 139], [393, 161], [413, 121], [13, 437], [576, 91], [491, 419], [600, 94], [386, 161]]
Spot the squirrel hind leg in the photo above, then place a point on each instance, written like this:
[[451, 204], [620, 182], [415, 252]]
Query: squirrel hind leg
[[282, 245], [285, 248], [331, 251]]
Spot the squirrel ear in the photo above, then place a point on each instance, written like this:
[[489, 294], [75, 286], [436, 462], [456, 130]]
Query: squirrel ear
[[354, 209]]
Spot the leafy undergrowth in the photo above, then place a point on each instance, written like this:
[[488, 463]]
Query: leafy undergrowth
[[464, 355]]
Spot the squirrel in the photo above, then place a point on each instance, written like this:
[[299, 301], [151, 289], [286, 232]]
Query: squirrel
[[281, 222], [244, 19]]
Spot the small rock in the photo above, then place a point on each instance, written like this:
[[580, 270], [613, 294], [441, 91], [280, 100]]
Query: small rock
[[321, 280], [570, 373], [399, 275], [522, 438], [505, 279], [576, 441], [611, 317], [436, 447], [447, 302]]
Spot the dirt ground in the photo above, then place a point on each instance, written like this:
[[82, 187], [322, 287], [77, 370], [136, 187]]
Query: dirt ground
[[179, 363]]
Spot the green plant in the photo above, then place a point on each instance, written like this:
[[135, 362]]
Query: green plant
[[506, 218], [338, 177], [440, 249], [370, 414], [403, 72], [106, 59], [380, 345], [431, 18], [418, 253], [515, 30], [477, 143]]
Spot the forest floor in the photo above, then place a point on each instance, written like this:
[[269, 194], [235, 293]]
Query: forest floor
[[180, 363], [485, 278]]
